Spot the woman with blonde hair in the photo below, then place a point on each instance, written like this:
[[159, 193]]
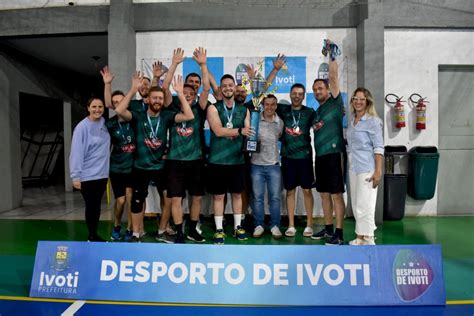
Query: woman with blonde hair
[[365, 153]]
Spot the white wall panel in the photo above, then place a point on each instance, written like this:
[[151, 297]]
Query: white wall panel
[[412, 58]]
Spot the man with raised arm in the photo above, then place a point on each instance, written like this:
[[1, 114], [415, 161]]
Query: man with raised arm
[[329, 147], [185, 159], [296, 152], [122, 138], [151, 132]]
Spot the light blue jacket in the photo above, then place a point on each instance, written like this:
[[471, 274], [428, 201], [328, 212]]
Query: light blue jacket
[[90, 151]]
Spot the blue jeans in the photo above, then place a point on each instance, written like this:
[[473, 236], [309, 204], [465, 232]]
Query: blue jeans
[[271, 177]]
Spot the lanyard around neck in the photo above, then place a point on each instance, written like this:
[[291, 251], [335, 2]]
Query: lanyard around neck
[[121, 130], [154, 132], [229, 117], [295, 122]]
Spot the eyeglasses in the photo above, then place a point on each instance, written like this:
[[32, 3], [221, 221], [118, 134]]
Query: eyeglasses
[[356, 99]]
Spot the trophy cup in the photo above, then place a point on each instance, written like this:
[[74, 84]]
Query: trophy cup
[[258, 87], [330, 48]]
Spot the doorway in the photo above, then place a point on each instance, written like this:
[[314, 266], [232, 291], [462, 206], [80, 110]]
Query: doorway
[[456, 140]]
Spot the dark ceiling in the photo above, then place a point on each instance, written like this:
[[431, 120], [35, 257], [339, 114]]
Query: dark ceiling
[[85, 54]]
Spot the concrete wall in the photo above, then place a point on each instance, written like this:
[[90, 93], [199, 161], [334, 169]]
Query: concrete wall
[[12, 82]]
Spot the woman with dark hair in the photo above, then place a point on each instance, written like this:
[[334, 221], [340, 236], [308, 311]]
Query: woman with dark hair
[[365, 152], [89, 163]]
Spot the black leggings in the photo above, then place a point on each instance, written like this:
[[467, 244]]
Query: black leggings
[[92, 192]]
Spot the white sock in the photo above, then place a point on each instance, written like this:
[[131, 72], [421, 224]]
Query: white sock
[[218, 220], [237, 220], [161, 231], [136, 234]]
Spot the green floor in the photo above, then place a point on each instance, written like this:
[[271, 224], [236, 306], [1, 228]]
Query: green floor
[[455, 234]]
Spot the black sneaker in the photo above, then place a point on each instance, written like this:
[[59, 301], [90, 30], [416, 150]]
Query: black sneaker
[[336, 240], [165, 237], [180, 239], [195, 236], [135, 239], [322, 234], [95, 238]]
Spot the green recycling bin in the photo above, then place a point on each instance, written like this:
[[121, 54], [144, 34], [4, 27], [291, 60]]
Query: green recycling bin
[[422, 172]]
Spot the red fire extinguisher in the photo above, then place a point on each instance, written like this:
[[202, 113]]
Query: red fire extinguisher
[[399, 109], [420, 110]]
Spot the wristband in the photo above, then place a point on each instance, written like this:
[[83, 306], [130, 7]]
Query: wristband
[[240, 130]]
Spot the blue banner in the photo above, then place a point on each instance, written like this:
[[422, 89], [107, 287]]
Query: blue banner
[[294, 72], [239, 274], [214, 64]]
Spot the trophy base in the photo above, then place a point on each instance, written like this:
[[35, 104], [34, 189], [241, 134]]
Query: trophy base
[[251, 146]]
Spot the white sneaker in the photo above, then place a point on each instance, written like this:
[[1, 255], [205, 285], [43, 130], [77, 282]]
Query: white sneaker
[[198, 227], [308, 232], [258, 232], [276, 233], [290, 232], [364, 241]]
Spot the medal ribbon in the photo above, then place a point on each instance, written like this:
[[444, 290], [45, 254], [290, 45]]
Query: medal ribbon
[[229, 118], [121, 130], [295, 122], [155, 131]]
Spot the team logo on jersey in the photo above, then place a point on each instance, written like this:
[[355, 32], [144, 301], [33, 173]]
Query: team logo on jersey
[[293, 131], [184, 131], [154, 143], [128, 148], [318, 126]]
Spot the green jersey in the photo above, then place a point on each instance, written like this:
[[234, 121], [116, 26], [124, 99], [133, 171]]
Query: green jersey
[[228, 150], [185, 137], [122, 137], [295, 140], [152, 138], [328, 138], [137, 105]]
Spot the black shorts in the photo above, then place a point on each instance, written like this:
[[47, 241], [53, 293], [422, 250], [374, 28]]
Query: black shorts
[[297, 173], [142, 178], [120, 181], [329, 171], [223, 179], [185, 176]]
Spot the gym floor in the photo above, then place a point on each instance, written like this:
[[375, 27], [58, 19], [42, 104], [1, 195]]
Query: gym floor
[[20, 236]]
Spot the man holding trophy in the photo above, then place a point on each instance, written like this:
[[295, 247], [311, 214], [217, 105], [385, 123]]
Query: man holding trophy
[[265, 170], [296, 152], [265, 163], [228, 122]]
